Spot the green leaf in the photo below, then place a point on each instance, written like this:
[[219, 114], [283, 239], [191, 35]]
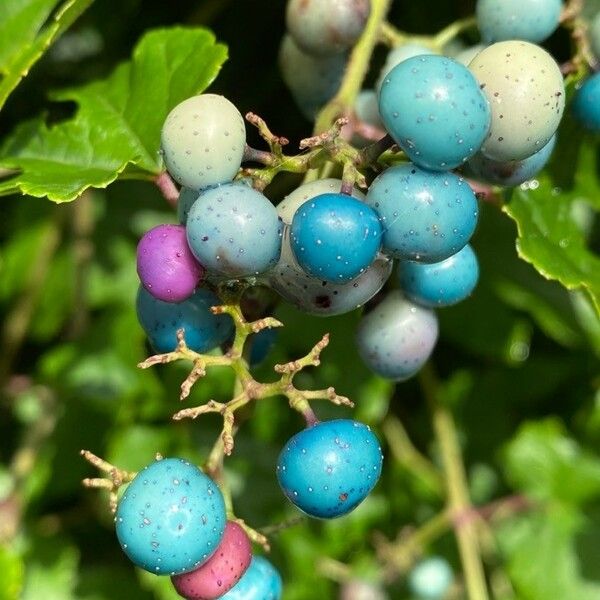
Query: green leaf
[[12, 569], [116, 129], [547, 464]]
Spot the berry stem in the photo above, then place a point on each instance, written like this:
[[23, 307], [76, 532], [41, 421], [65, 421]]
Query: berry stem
[[446, 35], [167, 188]]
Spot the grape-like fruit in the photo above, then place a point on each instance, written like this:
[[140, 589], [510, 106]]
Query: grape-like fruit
[[261, 344], [511, 173], [465, 56], [234, 230], [594, 35], [328, 469], [526, 92], [203, 141], [430, 579], [397, 55], [440, 284], [165, 264], [187, 197], [323, 27], [260, 582], [425, 216], [221, 571], [433, 108], [171, 517], [335, 237], [366, 108], [586, 103], [397, 337], [312, 80], [530, 20], [161, 320]]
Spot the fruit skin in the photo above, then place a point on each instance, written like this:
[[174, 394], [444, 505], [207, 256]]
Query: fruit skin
[[586, 103], [430, 579], [161, 320], [512, 173], [530, 20], [171, 517], [323, 28], [312, 80], [335, 237], [425, 216], [165, 264], [260, 582], [328, 469], [234, 230], [203, 140], [433, 108], [526, 93], [221, 571], [187, 197], [397, 337], [440, 284], [397, 55]]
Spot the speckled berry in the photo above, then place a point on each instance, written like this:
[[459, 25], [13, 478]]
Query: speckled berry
[[397, 337], [165, 264], [440, 284], [526, 92], [433, 108], [431, 579], [397, 55], [203, 140], [530, 20], [260, 582], [161, 320], [324, 28], [233, 230], [425, 216], [312, 80], [171, 517], [328, 469], [335, 237], [187, 197], [221, 571], [586, 103], [511, 173]]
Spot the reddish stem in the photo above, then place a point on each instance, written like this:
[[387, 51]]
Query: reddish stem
[[167, 188]]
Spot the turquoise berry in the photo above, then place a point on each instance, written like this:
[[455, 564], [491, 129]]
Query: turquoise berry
[[187, 197], [431, 579], [261, 581], [586, 103]]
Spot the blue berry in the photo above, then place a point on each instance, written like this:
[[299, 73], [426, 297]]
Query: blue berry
[[187, 197], [433, 108], [161, 320], [397, 337], [440, 284], [171, 518], [261, 581], [531, 20], [397, 55], [335, 237], [511, 173], [425, 216], [234, 230], [261, 344], [586, 103], [328, 469], [431, 579]]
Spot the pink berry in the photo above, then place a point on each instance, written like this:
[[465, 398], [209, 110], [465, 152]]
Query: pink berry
[[221, 571], [165, 264]]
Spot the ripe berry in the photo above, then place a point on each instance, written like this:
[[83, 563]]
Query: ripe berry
[[430, 579], [586, 103], [260, 582]]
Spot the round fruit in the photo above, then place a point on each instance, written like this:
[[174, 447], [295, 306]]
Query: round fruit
[[425, 216], [440, 284], [261, 344], [328, 469], [512, 173], [312, 80], [260, 582], [431, 579], [203, 141], [526, 92], [335, 237], [161, 320], [366, 108], [531, 20], [326, 27], [397, 55], [397, 337], [234, 230], [586, 103], [171, 517], [221, 571], [187, 197], [166, 266], [433, 108]]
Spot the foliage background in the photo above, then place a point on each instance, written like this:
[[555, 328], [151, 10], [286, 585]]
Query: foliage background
[[518, 361]]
